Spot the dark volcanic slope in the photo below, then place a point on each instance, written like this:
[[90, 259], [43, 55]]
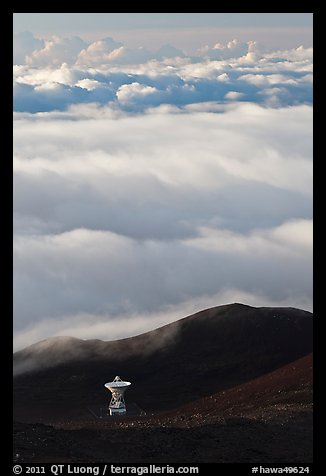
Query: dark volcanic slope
[[197, 356], [268, 419]]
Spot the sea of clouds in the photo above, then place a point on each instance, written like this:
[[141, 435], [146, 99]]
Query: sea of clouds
[[150, 185]]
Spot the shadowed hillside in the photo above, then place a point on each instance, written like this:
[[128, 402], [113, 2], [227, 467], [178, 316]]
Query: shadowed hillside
[[266, 419], [197, 356]]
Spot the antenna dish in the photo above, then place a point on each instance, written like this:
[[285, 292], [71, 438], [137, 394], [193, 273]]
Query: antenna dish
[[117, 387]]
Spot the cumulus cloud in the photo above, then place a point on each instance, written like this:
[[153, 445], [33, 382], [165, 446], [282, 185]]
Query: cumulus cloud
[[56, 51], [108, 51], [97, 52], [233, 49], [126, 222], [216, 74], [23, 45], [292, 237], [224, 77], [89, 84], [298, 54], [268, 79], [233, 95], [130, 92], [151, 184]]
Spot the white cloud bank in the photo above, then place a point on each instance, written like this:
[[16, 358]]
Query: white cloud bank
[[54, 73], [126, 222], [151, 184]]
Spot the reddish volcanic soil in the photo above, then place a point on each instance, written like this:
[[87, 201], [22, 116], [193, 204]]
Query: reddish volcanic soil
[[289, 386], [268, 419]]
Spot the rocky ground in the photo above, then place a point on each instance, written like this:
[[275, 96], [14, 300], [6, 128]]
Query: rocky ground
[[268, 419]]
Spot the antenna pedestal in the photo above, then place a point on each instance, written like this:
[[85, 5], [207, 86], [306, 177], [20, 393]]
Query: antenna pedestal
[[117, 404]]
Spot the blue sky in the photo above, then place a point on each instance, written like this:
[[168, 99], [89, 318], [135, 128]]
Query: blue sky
[[162, 165]]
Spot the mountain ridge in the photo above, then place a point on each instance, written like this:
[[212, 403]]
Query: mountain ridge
[[59, 340], [196, 356]]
